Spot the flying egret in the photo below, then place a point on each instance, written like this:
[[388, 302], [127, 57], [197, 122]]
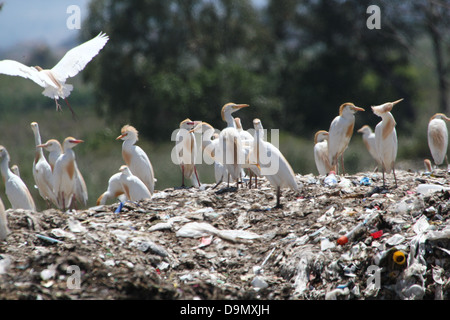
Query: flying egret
[[54, 80], [321, 152], [340, 133], [186, 147], [368, 137], [386, 138], [42, 172], [210, 140], [16, 191], [4, 230], [438, 138], [135, 158], [272, 163], [133, 187], [230, 149], [64, 174]]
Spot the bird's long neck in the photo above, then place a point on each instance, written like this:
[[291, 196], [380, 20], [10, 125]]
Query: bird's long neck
[[39, 153], [4, 168], [230, 120], [388, 123]]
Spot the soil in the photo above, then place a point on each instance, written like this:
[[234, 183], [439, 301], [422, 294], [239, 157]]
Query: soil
[[185, 244]]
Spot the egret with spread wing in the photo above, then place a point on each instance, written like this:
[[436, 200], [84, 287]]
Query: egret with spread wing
[[54, 80]]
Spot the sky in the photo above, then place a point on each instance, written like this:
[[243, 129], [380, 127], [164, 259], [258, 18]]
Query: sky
[[37, 21]]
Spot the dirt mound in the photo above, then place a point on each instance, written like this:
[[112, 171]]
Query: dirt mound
[[233, 244]]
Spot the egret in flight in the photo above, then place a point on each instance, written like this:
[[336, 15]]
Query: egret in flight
[[340, 133], [438, 138], [54, 80], [386, 138]]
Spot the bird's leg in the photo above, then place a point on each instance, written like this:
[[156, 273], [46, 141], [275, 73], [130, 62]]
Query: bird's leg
[[182, 176], [250, 179], [58, 106], [395, 178], [196, 175], [70, 108], [384, 185], [342, 164], [278, 198]]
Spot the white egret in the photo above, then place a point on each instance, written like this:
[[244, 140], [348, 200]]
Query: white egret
[[340, 133], [321, 152], [16, 191], [42, 172], [272, 163], [133, 187], [386, 138], [230, 149], [368, 137], [114, 189], [186, 151], [135, 158], [438, 138], [54, 80], [54, 148], [4, 230], [64, 174]]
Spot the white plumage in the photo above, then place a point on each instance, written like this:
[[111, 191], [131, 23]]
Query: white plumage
[[321, 152], [437, 133], [386, 138], [54, 80], [133, 187], [186, 151], [16, 191], [340, 133], [135, 158], [368, 137]]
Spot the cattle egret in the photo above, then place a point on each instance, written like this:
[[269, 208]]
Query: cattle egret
[[386, 138], [368, 137], [438, 138], [4, 230], [54, 151], [54, 80], [133, 187], [247, 142], [15, 169], [272, 163], [245, 135], [210, 141], [321, 152], [135, 158], [42, 172], [64, 174], [186, 147], [340, 133], [114, 189], [230, 149], [16, 191]]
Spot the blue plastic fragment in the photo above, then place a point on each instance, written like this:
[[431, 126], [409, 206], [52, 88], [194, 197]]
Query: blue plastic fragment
[[119, 208]]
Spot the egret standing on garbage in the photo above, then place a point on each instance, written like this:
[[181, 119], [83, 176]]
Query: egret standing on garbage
[[54, 80], [186, 151], [210, 141], [133, 187], [340, 133], [114, 189], [64, 174], [321, 152], [438, 138], [272, 163], [386, 138], [42, 172], [368, 137], [135, 158], [230, 149], [16, 191]]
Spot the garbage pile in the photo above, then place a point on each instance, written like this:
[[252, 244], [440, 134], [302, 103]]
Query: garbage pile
[[345, 239]]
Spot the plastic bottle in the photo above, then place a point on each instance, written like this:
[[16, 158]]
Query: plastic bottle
[[399, 257], [349, 235], [331, 179]]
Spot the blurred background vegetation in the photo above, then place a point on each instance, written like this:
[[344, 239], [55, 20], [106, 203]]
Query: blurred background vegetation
[[294, 61]]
